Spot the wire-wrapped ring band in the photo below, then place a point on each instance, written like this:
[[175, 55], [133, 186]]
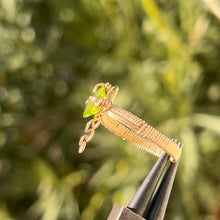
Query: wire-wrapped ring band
[[136, 131]]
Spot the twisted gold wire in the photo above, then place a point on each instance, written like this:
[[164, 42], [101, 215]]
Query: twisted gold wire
[[90, 128]]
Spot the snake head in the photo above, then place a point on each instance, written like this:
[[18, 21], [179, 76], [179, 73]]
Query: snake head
[[91, 108], [101, 91]]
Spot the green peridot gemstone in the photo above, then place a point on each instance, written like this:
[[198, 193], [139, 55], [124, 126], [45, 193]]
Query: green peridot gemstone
[[91, 109]]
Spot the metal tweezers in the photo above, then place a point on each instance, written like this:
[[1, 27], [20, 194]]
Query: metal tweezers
[[151, 199]]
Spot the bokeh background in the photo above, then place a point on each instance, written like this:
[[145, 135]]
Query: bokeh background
[[165, 57]]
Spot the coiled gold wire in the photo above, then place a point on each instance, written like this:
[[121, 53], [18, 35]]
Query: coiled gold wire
[[136, 131]]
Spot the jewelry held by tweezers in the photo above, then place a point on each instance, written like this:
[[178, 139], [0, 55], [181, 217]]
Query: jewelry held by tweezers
[[124, 124]]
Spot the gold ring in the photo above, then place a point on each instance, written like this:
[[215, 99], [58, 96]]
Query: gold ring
[[124, 124]]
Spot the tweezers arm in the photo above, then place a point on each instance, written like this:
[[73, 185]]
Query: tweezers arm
[[158, 206], [151, 199], [120, 212], [141, 200]]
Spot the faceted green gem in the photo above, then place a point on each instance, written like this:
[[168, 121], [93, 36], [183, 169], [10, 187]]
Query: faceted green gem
[[91, 108]]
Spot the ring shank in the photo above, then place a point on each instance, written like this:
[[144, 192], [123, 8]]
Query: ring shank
[[136, 131]]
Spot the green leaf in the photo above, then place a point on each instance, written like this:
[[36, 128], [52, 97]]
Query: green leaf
[[207, 121]]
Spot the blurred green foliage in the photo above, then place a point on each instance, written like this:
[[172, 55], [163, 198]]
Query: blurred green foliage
[[164, 56]]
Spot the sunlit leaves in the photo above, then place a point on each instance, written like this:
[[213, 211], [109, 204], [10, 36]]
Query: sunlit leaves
[[164, 56]]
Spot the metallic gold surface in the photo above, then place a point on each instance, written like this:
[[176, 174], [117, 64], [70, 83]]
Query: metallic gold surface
[[138, 132], [127, 126]]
